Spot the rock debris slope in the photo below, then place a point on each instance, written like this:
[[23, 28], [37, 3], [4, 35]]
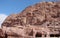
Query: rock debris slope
[[39, 20]]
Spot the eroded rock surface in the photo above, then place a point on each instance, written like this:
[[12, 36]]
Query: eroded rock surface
[[39, 20]]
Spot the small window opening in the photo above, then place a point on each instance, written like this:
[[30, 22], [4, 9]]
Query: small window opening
[[51, 35], [6, 35], [38, 34], [55, 35]]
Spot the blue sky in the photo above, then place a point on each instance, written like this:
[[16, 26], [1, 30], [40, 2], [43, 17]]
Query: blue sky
[[15, 6], [8, 7]]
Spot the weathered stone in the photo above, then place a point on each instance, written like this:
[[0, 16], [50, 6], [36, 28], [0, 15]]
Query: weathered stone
[[39, 20]]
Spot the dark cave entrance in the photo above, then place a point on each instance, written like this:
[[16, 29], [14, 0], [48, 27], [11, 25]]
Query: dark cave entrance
[[54, 35], [38, 34], [6, 35], [51, 35]]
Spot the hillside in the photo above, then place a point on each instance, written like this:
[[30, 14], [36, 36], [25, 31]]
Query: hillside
[[39, 20]]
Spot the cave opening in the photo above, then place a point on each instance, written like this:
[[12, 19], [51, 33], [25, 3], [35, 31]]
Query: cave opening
[[57, 35], [51, 35], [38, 34], [54, 35], [6, 35]]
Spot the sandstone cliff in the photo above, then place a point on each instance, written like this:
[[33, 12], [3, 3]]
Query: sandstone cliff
[[39, 20]]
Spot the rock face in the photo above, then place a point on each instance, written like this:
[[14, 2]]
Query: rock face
[[39, 20], [1, 34]]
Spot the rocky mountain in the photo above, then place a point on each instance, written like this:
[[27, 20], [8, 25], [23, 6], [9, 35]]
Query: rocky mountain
[[39, 20]]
